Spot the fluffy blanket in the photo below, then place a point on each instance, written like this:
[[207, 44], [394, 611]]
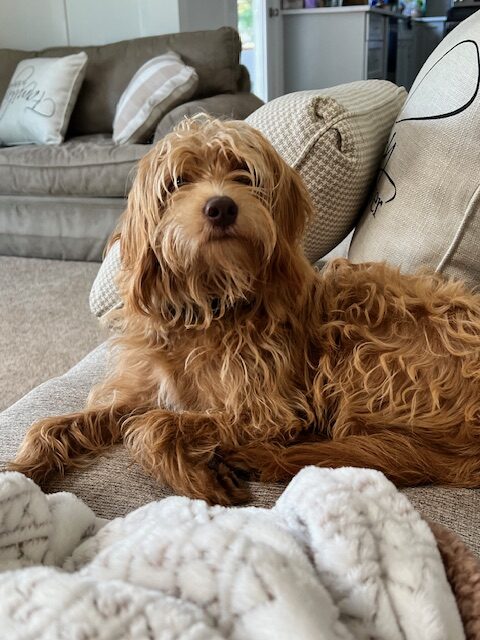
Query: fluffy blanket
[[342, 555]]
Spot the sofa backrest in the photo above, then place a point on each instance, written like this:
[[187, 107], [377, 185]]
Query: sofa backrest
[[214, 54]]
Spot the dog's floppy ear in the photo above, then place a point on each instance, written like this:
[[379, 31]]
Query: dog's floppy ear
[[137, 233], [292, 207], [289, 199]]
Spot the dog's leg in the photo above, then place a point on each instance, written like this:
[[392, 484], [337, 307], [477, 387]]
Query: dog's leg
[[73, 440], [182, 450], [406, 461]]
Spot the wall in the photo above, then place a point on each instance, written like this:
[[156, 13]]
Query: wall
[[103, 21], [32, 24], [35, 24], [207, 14]]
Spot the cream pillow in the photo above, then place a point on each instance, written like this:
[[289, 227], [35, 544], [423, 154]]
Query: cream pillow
[[425, 208], [39, 100], [104, 293], [159, 85], [335, 139]]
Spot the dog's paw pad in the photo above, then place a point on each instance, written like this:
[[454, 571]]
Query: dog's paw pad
[[236, 491]]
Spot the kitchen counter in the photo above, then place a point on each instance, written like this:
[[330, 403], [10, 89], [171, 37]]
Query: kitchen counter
[[361, 8]]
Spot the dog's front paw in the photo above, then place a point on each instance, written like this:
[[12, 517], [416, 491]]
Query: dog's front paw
[[230, 489], [182, 450], [214, 482], [37, 458], [262, 462]]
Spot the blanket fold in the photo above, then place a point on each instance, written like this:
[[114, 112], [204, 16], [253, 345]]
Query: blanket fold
[[341, 556]]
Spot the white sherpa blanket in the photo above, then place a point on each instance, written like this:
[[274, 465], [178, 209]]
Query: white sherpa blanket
[[342, 555]]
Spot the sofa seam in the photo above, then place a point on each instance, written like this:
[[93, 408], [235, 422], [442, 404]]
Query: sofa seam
[[59, 166], [4, 234]]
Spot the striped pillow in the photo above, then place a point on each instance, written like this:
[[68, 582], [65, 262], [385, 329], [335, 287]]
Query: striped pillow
[[159, 85]]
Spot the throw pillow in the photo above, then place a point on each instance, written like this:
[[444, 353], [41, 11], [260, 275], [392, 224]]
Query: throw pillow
[[104, 294], [334, 138], [159, 85], [39, 100], [424, 211]]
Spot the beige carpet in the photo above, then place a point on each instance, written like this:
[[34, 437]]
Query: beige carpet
[[45, 321]]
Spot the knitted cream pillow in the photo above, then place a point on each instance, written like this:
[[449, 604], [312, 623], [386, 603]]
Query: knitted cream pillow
[[425, 208], [335, 139], [104, 293]]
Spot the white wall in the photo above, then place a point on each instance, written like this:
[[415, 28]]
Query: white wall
[[32, 24], [36, 24], [104, 21], [207, 14]]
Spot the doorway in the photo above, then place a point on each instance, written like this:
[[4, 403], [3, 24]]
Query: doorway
[[261, 30]]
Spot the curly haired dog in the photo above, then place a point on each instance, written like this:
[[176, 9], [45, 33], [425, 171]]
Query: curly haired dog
[[234, 353]]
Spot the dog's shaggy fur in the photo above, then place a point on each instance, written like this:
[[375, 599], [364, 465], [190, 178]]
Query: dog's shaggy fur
[[234, 353]]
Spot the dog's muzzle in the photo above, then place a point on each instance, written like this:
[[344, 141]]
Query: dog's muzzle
[[221, 211]]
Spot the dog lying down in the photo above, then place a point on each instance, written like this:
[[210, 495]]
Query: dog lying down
[[235, 354]]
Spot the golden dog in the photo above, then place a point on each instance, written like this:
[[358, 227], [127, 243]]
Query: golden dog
[[234, 353]]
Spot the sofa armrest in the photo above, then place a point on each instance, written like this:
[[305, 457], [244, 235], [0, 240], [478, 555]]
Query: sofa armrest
[[227, 105]]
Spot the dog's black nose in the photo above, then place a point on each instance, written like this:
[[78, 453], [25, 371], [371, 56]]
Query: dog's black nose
[[221, 211]]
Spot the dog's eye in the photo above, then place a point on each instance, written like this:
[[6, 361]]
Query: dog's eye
[[180, 181], [244, 178], [176, 183]]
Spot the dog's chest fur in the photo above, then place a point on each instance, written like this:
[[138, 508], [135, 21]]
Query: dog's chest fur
[[238, 369]]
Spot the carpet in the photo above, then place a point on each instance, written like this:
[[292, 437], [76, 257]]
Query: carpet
[[45, 322]]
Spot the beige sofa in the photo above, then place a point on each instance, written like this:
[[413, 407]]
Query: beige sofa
[[62, 201]]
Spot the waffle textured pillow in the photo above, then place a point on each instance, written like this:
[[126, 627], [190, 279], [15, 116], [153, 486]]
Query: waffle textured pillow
[[335, 139], [104, 294], [39, 100], [424, 211], [158, 86]]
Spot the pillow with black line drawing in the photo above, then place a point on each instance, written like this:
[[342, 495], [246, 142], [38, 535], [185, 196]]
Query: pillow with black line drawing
[[158, 86], [424, 211], [39, 100]]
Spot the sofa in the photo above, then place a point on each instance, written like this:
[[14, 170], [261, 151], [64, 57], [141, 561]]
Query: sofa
[[62, 201]]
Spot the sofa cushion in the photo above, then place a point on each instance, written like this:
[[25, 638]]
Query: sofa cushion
[[90, 166], [159, 85], [214, 55], [113, 486], [236, 106], [59, 227], [39, 100], [334, 138], [425, 208]]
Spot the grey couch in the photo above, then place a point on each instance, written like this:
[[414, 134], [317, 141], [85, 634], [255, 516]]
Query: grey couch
[[62, 201]]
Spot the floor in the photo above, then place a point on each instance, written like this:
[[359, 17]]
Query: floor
[[45, 322]]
